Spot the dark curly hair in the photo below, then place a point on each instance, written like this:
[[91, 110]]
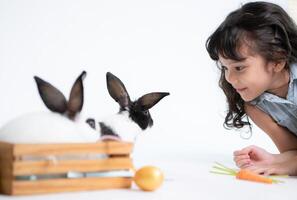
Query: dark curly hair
[[271, 33]]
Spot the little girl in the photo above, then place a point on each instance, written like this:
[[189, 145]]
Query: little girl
[[256, 50]]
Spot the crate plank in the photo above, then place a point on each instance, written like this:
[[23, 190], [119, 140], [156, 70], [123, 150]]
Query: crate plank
[[63, 166], [75, 148], [6, 160], [62, 185]]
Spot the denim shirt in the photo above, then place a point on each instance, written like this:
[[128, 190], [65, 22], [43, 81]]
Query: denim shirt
[[283, 111]]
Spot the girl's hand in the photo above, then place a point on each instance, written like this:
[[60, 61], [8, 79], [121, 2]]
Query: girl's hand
[[288, 167], [253, 156]]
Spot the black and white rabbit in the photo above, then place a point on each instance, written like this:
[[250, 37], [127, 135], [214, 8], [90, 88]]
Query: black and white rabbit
[[133, 116], [63, 124]]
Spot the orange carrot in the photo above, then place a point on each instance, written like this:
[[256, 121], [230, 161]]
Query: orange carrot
[[244, 174]]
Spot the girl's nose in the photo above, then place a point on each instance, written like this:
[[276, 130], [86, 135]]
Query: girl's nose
[[231, 78]]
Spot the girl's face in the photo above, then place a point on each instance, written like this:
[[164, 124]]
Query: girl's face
[[251, 76]]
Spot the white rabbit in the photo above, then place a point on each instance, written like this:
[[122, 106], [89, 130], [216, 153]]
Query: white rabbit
[[59, 126]]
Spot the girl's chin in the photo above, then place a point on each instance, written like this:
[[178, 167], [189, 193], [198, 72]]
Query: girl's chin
[[247, 98]]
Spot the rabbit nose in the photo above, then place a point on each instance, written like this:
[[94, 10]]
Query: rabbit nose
[[107, 133]]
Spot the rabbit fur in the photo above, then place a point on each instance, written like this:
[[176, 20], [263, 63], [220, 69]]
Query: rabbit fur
[[62, 124]]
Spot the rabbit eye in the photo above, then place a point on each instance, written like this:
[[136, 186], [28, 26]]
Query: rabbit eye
[[91, 122], [146, 112]]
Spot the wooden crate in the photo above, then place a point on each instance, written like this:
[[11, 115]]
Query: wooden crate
[[13, 164]]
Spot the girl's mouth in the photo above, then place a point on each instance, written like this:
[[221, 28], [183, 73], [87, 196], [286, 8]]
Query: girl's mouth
[[240, 89]]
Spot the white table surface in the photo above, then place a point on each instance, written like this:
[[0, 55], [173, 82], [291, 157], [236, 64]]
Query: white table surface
[[187, 178]]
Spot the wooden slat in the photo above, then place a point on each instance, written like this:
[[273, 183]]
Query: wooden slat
[[62, 185], [6, 160], [61, 149], [63, 166], [6, 150]]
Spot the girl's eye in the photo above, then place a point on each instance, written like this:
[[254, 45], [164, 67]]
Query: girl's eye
[[239, 68]]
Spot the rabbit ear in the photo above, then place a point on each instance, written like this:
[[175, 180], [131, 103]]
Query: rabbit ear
[[51, 96], [76, 98], [149, 100], [117, 90]]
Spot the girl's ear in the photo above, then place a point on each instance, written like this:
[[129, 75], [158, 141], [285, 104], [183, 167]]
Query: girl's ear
[[149, 100], [279, 66], [76, 98], [117, 90], [51, 96]]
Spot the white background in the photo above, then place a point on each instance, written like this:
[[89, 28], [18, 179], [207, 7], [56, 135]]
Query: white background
[[156, 45]]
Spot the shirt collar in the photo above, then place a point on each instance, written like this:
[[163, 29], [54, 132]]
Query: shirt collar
[[293, 78], [293, 72]]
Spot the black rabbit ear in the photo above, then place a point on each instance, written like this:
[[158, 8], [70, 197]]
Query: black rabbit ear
[[51, 96], [117, 90], [76, 98], [149, 100]]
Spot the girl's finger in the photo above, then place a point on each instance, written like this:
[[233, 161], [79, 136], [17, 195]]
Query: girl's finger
[[258, 170], [252, 168], [248, 149], [243, 162], [246, 166], [268, 172], [238, 153], [244, 151], [241, 157]]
